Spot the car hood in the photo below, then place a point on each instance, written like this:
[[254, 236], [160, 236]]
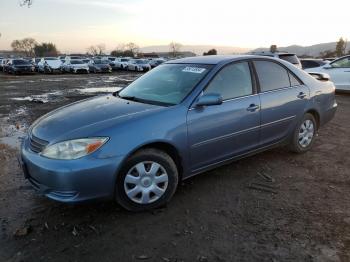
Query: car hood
[[23, 65], [101, 65], [79, 66], [54, 64], [90, 114]]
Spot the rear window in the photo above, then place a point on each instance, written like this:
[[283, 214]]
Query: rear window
[[290, 58]]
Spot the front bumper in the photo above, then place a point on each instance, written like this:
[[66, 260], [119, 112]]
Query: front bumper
[[70, 181], [80, 70]]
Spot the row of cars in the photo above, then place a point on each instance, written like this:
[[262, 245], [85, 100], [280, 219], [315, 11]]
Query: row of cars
[[77, 64]]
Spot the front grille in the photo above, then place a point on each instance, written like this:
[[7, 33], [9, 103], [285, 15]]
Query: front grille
[[37, 144]]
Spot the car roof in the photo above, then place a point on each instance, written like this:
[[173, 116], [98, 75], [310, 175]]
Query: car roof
[[213, 59]]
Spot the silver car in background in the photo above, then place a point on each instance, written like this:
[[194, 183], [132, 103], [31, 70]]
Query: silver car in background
[[75, 66], [49, 65], [140, 65]]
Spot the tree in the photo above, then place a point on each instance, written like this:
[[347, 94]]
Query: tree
[[273, 48], [46, 49], [175, 48], [340, 47], [327, 54], [211, 52], [96, 49], [25, 46], [132, 48]]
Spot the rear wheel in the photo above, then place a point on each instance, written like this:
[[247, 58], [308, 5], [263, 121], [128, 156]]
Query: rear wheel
[[147, 180], [304, 134]]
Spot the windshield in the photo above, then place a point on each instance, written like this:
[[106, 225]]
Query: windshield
[[290, 58], [99, 61], [124, 60], [167, 84], [51, 58], [20, 62], [141, 61], [76, 62]]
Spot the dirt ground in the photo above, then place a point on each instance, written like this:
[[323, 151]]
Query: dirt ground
[[303, 214]]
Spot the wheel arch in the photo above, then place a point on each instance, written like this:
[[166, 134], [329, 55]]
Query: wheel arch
[[316, 115], [165, 146]]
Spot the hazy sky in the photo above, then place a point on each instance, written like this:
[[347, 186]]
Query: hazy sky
[[73, 25]]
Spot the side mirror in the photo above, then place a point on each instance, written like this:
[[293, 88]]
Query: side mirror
[[209, 100], [327, 66], [320, 76]]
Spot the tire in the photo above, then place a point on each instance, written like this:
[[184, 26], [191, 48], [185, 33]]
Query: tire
[[303, 143], [143, 188]]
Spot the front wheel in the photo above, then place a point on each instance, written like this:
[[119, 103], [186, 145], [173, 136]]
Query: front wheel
[[147, 180], [304, 134]]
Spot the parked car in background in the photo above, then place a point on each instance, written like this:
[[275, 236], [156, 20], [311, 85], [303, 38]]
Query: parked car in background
[[338, 70], [122, 63], [289, 57], [156, 62], [4, 63], [68, 58], [35, 62], [311, 63], [19, 66], [222, 108], [75, 66], [50, 65], [140, 65], [1, 63], [62, 58], [99, 66], [111, 61]]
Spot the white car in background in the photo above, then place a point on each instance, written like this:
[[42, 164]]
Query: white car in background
[[75, 66], [49, 65], [140, 65], [122, 62], [338, 70]]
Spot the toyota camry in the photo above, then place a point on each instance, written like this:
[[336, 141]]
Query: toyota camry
[[184, 117]]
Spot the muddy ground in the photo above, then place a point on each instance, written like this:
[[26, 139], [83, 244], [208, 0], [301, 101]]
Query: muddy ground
[[304, 215]]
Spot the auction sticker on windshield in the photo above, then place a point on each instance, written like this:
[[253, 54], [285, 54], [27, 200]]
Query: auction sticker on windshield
[[196, 70]]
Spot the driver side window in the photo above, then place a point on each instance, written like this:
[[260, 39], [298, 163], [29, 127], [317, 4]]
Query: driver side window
[[344, 62], [232, 81]]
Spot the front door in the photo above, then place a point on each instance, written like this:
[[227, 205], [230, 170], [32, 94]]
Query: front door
[[219, 132]]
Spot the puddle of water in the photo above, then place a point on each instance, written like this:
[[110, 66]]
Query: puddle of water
[[89, 90], [12, 135], [44, 98], [114, 78]]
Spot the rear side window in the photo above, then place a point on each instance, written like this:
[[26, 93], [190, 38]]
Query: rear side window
[[232, 81], [271, 75], [290, 58], [293, 80]]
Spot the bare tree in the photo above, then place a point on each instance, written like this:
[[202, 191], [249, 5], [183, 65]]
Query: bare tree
[[175, 48], [96, 49], [25, 46], [132, 47], [273, 48]]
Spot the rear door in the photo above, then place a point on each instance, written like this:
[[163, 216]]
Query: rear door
[[219, 132], [340, 73], [283, 100]]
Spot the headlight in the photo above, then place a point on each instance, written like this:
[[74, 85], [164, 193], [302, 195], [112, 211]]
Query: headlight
[[73, 149]]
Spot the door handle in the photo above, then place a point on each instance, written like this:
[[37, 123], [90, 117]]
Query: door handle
[[253, 107], [301, 95]]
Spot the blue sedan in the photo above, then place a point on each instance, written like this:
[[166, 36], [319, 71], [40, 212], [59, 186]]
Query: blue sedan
[[182, 118]]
